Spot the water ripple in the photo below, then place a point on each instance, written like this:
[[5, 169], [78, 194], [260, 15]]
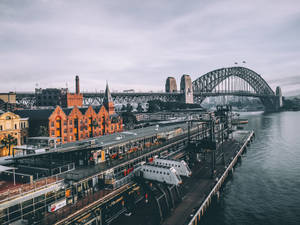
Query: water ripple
[[265, 189]]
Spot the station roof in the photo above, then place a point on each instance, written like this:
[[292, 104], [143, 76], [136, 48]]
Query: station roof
[[125, 136], [110, 140], [43, 138], [5, 168]]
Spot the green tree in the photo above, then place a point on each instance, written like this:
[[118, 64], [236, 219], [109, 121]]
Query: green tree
[[43, 131], [129, 119], [8, 141], [154, 106]]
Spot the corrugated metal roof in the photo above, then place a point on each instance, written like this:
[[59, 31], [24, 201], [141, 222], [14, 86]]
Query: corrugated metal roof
[[5, 168]]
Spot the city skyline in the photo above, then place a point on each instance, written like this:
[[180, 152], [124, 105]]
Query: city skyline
[[137, 45]]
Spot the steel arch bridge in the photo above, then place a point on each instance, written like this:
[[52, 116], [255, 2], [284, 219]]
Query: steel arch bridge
[[253, 86]]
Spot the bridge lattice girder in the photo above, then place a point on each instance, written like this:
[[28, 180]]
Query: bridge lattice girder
[[209, 81]]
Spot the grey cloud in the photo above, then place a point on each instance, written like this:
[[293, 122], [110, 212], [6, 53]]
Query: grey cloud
[[137, 44]]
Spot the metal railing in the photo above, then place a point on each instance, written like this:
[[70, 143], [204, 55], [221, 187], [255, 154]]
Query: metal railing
[[81, 206], [207, 200], [24, 189]]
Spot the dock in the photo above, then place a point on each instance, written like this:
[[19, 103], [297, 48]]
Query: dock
[[200, 190], [203, 189]]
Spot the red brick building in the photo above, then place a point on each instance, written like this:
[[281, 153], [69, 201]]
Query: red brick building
[[75, 99], [61, 97], [76, 123]]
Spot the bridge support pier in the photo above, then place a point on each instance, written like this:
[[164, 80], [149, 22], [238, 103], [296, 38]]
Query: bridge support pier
[[186, 88]]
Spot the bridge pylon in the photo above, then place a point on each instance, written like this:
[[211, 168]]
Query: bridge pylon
[[186, 88]]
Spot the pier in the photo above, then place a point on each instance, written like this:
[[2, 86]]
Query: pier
[[199, 191], [203, 189]]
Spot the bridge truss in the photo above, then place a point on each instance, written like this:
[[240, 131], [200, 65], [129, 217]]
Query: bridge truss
[[238, 81]]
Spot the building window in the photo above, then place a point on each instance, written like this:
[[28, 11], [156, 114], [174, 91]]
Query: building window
[[16, 127], [1, 127], [71, 130], [65, 123], [52, 124], [70, 122], [65, 131], [52, 133], [65, 138]]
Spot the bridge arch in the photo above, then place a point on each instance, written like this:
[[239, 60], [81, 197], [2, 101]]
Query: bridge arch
[[209, 81]]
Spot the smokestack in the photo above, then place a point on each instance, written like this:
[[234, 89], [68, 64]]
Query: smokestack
[[77, 85]]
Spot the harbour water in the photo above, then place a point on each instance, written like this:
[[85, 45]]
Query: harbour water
[[265, 188]]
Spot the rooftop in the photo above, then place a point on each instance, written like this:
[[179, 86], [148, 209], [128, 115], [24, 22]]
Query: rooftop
[[110, 140]]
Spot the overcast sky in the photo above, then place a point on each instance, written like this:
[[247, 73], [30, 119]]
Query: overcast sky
[[138, 44]]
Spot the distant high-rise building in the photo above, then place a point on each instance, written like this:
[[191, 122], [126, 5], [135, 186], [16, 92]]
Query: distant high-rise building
[[279, 95]]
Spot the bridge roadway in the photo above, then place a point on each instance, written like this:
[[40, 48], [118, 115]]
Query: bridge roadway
[[90, 98]]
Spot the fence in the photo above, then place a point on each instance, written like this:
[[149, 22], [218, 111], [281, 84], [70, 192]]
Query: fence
[[23, 189]]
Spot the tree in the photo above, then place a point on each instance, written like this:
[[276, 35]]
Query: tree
[[129, 119], [8, 141], [154, 106], [140, 108], [43, 131]]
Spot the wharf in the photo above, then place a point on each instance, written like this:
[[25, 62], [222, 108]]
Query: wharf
[[201, 188]]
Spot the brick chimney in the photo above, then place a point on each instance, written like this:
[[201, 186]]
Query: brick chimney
[[77, 85]]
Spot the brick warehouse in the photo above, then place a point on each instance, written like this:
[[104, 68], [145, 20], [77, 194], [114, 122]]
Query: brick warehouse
[[76, 123], [59, 96]]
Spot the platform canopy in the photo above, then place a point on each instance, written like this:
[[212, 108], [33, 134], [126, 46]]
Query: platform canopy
[[5, 168]]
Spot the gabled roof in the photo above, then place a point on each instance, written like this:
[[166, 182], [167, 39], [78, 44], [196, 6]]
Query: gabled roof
[[83, 110], [67, 111], [97, 108]]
